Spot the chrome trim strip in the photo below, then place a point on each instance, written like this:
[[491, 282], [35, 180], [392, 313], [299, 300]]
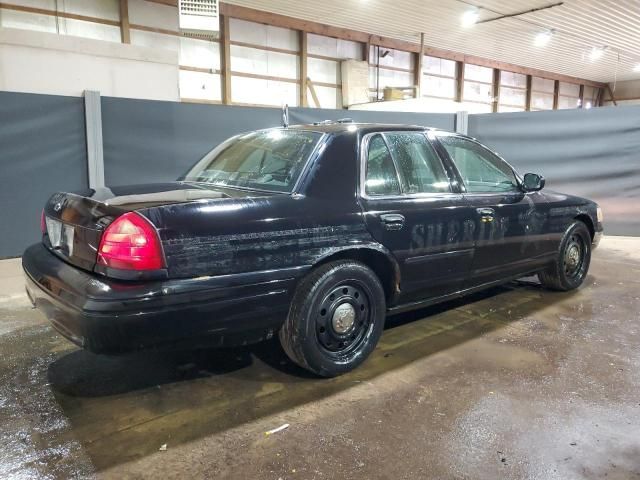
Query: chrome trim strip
[[436, 256]]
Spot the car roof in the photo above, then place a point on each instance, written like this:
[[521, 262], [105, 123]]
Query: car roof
[[337, 127]]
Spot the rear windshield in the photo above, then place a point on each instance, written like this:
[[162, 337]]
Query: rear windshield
[[264, 160]]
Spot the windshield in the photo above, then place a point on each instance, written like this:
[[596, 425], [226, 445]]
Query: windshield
[[264, 160]]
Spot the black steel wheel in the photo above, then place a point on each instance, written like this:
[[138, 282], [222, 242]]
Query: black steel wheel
[[336, 318], [573, 256], [572, 263], [343, 318]]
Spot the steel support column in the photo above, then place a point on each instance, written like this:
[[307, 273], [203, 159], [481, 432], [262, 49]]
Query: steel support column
[[93, 126]]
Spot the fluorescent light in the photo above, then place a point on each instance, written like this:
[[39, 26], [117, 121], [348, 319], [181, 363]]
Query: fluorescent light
[[636, 68], [596, 53], [543, 38], [469, 18]]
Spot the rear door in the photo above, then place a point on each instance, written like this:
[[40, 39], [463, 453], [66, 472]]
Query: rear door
[[412, 208], [509, 222]]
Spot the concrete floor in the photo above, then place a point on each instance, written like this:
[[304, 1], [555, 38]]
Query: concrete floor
[[514, 383]]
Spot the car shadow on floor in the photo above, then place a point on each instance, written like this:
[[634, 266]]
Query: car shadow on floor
[[84, 374], [121, 408]]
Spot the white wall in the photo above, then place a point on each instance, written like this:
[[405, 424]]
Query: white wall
[[40, 62], [626, 93], [154, 15]]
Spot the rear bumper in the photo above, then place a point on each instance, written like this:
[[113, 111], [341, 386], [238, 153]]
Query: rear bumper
[[108, 316]]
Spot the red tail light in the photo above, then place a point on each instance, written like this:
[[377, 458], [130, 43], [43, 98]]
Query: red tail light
[[130, 243], [43, 223]]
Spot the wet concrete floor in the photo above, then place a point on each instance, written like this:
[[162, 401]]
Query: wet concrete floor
[[517, 382]]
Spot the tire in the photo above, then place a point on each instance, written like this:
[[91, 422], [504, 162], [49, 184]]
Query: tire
[[336, 318], [572, 263]]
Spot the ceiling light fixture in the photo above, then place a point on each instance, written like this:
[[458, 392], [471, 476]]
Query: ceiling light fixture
[[469, 18], [543, 38], [597, 53]]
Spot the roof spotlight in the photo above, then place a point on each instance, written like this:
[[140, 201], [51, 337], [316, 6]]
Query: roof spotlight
[[470, 17], [597, 53], [543, 38]]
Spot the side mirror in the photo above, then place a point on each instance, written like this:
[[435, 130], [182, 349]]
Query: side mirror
[[533, 182]]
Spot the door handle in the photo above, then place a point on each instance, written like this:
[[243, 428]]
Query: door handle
[[486, 214], [392, 221]]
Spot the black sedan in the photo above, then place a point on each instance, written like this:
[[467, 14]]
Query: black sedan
[[314, 233]]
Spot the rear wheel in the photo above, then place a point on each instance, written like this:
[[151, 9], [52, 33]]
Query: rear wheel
[[335, 319], [572, 263]]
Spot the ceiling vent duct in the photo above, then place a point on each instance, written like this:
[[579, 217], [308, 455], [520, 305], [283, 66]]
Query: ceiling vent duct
[[199, 16]]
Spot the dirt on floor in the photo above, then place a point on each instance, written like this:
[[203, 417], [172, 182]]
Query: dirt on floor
[[517, 382]]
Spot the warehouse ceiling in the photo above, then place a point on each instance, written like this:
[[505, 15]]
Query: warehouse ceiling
[[612, 27]]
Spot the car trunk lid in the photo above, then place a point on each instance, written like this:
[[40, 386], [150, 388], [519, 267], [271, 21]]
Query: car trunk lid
[[73, 227], [74, 222]]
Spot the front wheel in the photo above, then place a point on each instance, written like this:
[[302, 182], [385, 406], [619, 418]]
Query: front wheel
[[336, 318], [572, 263]]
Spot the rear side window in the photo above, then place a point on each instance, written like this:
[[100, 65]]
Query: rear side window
[[481, 170], [420, 168], [266, 160], [381, 177]]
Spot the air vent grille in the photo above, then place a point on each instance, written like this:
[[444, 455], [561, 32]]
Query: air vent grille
[[199, 16], [205, 8]]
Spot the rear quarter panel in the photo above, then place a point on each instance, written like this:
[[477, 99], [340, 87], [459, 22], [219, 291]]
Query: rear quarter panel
[[229, 236], [237, 236]]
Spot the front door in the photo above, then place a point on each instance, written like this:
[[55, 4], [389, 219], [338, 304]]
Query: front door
[[509, 222], [411, 207]]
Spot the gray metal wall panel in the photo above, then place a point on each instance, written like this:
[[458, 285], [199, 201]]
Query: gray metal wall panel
[[154, 141], [42, 150], [591, 153]]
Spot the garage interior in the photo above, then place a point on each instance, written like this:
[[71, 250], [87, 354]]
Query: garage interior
[[514, 382]]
